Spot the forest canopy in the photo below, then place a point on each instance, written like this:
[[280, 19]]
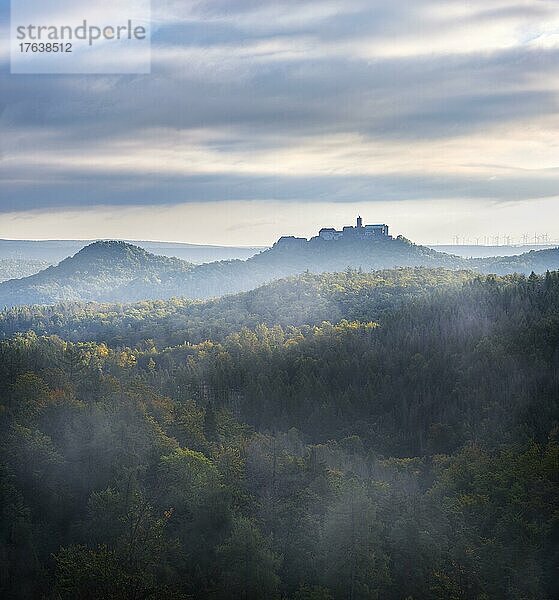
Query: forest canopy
[[353, 435]]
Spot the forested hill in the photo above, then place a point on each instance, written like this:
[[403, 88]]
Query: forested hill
[[538, 261], [120, 272], [306, 299], [109, 269]]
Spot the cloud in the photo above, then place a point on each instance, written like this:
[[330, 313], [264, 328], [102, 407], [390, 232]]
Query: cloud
[[264, 100]]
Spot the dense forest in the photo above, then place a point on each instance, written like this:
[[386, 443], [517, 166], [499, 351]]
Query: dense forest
[[112, 271], [307, 299], [388, 435]]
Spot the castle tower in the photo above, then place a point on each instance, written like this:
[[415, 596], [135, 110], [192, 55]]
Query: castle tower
[[359, 222]]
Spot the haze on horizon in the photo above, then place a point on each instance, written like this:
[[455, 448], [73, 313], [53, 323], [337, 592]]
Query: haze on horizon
[[266, 118]]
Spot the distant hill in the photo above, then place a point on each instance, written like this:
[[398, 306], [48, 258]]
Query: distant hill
[[120, 272], [538, 261], [100, 270], [14, 268], [53, 251], [481, 251]]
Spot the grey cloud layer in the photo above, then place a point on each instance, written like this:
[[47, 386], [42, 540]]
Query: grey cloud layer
[[86, 190], [207, 76]]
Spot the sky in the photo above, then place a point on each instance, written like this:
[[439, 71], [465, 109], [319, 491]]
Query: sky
[[271, 117]]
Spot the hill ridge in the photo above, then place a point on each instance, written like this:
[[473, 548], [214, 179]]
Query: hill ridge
[[114, 270]]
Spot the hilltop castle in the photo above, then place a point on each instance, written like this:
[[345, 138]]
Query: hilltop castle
[[360, 230], [349, 232]]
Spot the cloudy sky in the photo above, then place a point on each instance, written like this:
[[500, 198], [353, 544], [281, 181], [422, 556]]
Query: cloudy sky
[[264, 117]]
